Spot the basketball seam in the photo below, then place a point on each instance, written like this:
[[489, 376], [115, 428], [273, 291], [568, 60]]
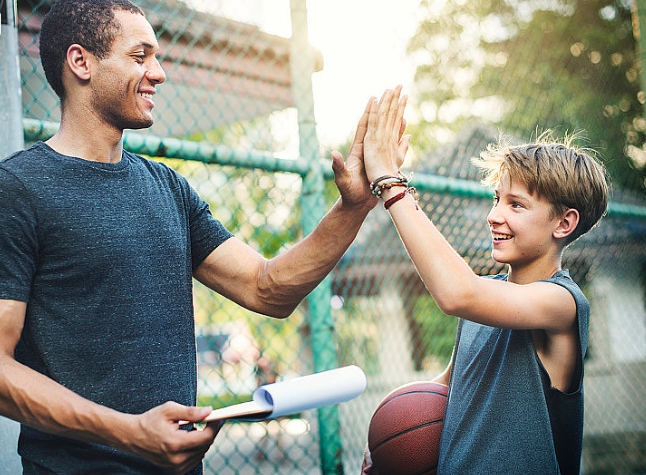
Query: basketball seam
[[437, 393], [426, 424]]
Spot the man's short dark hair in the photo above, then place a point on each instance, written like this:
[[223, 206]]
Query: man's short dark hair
[[89, 23]]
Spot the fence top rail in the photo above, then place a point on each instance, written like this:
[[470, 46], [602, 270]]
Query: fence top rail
[[205, 152]]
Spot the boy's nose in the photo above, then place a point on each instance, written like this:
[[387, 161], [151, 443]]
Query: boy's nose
[[494, 216]]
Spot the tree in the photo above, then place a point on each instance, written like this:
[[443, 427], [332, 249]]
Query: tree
[[568, 65]]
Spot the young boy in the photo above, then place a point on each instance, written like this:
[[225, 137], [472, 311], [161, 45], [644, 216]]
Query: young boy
[[516, 376]]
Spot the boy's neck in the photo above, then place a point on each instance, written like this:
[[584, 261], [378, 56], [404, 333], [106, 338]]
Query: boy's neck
[[533, 273]]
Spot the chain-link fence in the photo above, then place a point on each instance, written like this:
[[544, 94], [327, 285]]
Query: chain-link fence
[[235, 117]]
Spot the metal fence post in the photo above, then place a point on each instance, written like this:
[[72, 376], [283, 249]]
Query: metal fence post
[[313, 208], [11, 140], [11, 135]]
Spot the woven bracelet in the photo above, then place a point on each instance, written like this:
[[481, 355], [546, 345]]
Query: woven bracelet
[[388, 203], [411, 190]]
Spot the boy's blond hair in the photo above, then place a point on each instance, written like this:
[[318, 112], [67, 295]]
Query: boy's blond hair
[[567, 176]]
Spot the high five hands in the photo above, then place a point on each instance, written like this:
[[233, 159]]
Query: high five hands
[[378, 148]]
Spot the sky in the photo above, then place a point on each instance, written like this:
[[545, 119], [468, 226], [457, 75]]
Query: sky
[[363, 43]]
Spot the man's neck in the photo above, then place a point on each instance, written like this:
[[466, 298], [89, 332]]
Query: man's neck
[[88, 140]]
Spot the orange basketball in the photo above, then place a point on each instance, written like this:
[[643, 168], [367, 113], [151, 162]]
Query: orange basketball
[[404, 432]]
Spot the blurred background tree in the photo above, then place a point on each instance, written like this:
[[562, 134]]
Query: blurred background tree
[[567, 65]]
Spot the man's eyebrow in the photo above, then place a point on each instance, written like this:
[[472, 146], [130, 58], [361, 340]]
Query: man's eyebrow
[[143, 45]]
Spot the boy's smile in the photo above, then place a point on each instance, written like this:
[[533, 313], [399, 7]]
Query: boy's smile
[[500, 237]]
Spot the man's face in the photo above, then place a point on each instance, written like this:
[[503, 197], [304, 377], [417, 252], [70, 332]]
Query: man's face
[[124, 82]]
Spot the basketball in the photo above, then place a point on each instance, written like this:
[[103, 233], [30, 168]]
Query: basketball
[[404, 432]]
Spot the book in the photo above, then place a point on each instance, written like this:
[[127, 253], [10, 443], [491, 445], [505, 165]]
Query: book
[[292, 396]]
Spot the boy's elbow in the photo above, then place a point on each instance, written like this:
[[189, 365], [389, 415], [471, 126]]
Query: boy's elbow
[[455, 302], [449, 304], [449, 307]]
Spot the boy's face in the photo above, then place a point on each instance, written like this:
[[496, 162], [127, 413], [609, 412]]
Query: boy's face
[[124, 83], [522, 225]]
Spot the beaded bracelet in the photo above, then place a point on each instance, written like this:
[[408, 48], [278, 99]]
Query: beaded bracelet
[[387, 182]]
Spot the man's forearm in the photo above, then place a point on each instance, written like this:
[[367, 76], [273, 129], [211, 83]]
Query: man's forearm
[[39, 402], [292, 275]]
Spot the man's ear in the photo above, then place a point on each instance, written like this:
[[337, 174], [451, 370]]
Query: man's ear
[[567, 224], [78, 61]]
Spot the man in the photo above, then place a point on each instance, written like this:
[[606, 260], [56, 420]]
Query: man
[[98, 248]]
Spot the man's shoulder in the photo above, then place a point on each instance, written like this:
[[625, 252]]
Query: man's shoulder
[[148, 163], [23, 157], [23, 164]]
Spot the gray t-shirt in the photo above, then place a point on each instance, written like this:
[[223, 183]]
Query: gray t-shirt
[[103, 254], [502, 415]]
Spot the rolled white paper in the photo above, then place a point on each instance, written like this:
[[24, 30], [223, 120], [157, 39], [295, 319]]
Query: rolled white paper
[[311, 392], [295, 395]]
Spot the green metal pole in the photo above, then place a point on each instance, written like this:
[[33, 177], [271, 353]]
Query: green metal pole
[[313, 208]]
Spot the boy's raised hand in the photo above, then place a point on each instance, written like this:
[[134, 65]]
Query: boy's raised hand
[[385, 144]]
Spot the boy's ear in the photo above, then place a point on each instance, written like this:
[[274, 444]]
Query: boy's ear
[[567, 224], [78, 61]]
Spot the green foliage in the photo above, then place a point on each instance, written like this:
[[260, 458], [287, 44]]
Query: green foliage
[[223, 400], [281, 341], [357, 336], [568, 65], [437, 330]]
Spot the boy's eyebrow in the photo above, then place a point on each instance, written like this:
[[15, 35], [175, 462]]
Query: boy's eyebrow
[[516, 196], [513, 196]]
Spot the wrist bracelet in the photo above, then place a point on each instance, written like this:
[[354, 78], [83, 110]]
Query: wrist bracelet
[[388, 203], [387, 182], [412, 191]]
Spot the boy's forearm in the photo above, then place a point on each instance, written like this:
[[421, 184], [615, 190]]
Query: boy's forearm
[[444, 272]]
